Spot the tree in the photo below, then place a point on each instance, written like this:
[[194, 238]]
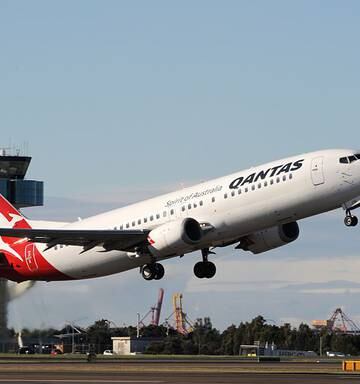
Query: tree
[[99, 336]]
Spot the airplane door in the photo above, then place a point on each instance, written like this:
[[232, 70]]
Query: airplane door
[[317, 171]]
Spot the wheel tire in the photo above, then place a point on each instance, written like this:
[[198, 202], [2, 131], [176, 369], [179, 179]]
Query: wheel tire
[[148, 272], [354, 221], [210, 270], [159, 271], [199, 270], [348, 221]]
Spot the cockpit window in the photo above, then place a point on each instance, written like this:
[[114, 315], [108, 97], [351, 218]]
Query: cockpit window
[[352, 158], [349, 159]]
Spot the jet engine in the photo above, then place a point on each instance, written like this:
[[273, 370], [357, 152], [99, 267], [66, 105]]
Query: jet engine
[[174, 238], [270, 238]]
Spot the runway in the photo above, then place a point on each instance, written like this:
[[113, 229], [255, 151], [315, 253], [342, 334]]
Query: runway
[[168, 371]]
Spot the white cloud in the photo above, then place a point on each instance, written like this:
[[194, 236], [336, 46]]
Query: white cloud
[[261, 274], [331, 291]]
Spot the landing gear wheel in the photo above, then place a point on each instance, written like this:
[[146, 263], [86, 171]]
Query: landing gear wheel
[[159, 271], [152, 271], [351, 221], [204, 269], [210, 270], [199, 270], [148, 272]]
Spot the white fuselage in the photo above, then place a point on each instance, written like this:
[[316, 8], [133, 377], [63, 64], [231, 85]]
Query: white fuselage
[[232, 206]]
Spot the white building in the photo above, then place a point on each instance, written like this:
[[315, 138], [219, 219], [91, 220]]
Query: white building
[[131, 345]]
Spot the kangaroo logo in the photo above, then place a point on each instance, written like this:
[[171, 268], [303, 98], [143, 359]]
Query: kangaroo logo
[[6, 223]]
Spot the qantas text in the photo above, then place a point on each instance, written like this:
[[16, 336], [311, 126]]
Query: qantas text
[[274, 171]]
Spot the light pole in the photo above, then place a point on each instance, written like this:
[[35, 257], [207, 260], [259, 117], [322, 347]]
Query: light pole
[[321, 344]]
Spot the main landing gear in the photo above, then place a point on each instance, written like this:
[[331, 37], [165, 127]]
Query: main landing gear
[[350, 220], [205, 268], [153, 271]]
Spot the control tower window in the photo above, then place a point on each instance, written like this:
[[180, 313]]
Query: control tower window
[[14, 167]]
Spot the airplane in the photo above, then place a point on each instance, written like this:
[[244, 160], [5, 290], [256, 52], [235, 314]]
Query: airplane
[[256, 210]]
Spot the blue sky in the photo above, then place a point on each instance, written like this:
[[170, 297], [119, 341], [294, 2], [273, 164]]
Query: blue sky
[[120, 100]]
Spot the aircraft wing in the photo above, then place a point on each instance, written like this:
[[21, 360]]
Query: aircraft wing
[[87, 238]]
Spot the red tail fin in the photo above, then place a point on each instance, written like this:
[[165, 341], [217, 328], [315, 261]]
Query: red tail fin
[[19, 258], [10, 217]]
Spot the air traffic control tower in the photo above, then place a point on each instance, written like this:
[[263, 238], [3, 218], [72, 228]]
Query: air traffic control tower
[[13, 186], [21, 193]]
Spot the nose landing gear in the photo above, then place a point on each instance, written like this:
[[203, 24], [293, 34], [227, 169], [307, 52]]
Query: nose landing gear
[[205, 268], [350, 220]]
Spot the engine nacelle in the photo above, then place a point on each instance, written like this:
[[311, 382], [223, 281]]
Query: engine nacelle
[[270, 238], [174, 238]]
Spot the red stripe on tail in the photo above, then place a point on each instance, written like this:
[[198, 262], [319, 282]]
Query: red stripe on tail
[[20, 259]]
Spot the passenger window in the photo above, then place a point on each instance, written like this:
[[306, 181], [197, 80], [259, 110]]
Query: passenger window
[[265, 183], [183, 208], [284, 178], [115, 228], [172, 212], [239, 191], [201, 203], [121, 227], [290, 176], [133, 223], [127, 225], [278, 179], [139, 221], [225, 196], [253, 187], [157, 216], [246, 190], [259, 185], [195, 205], [151, 218], [189, 206], [145, 219], [164, 214], [271, 182], [213, 199]]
